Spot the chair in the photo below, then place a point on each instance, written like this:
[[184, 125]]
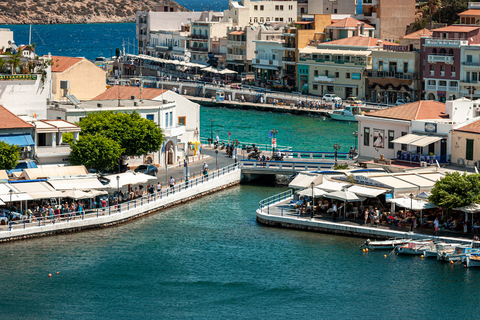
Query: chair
[[297, 204]]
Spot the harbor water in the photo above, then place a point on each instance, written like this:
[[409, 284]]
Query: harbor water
[[209, 259]]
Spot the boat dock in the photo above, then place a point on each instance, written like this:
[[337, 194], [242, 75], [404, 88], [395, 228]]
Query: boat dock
[[276, 212]]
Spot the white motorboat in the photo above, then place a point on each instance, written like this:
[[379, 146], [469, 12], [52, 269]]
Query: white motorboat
[[472, 260], [440, 247], [415, 247], [385, 244], [459, 253], [347, 114]]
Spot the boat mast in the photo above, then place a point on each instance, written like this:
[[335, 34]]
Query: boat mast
[[30, 36]]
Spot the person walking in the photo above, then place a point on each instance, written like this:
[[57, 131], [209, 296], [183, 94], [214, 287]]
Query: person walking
[[366, 216], [435, 225], [172, 182], [334, 214]]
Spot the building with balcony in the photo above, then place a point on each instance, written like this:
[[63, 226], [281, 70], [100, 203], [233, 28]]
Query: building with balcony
[[244, 12], [472, 15], [348, 27], [337, 67], [441, 63], [394, 75], [390, 18], [331, 7], [470, 71], [169, 44], [412, 40], [204, 42], [268, 62]]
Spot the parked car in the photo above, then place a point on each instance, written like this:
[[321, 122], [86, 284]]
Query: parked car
[[399, 102], [353, 100], [147, 169], [332, 98]]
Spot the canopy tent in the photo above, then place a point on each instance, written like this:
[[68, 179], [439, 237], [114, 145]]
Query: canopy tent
[[366, 191], [412, 204], [96, 193], [76, 194], [45, 172], [21, 140], [472, 208], [425, 141], [38, 190], [331, 186], [407, 139], [15, 197], [126, 179], [3, 175], [78, 183], [304, 180], [424, 195], [316, 192], [227, 71], [346, 196], [2, 203]]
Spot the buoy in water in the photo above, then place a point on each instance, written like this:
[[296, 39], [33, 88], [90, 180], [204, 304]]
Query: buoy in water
[[363, 250], [49, 275], [421, 256], [384, 255], [58, 272], [451, 262], [464, 265], [366, 249]]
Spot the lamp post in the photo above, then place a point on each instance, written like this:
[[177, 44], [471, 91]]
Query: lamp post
[[273, 133], [336, 146], [355, 135], [313, 200], [118, 185], [11, 193]]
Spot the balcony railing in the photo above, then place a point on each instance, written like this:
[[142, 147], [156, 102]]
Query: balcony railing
[[199, 49], [235, 43], [395, 75], [235, 57], [289, 45], [288, 59], [470, 63], [442, 88], [198, 36], [434, 58]]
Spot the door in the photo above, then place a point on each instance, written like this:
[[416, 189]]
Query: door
[[443, 150]]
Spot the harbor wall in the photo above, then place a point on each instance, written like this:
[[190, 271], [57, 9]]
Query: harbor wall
[[134, 212]]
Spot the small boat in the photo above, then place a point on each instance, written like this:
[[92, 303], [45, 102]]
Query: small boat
[[460, 252], [472, 260], [385, 244], [347, 114], [440, 248], [415, 247]]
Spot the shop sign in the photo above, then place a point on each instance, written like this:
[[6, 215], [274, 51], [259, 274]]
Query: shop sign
[[395, 48], [356, 76], [430, 127], [19, 77]]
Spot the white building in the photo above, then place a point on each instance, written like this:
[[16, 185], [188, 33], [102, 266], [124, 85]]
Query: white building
[[6, 37], [244, 12], [331, 7], [169, 45], [268, 64], [470, 71], [205, 41]]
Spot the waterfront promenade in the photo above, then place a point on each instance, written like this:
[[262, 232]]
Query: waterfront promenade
[[126, 211], [276, 212]]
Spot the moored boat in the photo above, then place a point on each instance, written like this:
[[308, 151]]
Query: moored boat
[[440, 247], [472, 260], [460, 252], [347, 114], [415, 247], [385, 244]]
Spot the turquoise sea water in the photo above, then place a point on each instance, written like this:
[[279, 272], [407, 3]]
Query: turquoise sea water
[[209, 259]]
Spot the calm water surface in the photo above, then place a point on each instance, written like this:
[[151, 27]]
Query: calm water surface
[[209, 259]]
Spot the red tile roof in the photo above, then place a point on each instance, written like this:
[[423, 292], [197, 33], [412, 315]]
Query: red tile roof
[[473, 127], [126, 92], [10, 121], [61, 64], [237, 32], [418, 110], [471, 12], [464, 28], [358, 41], [418, 34], [349, 22]]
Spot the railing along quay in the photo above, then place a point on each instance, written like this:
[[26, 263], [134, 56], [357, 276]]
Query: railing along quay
[[118, 208], [292, 166]]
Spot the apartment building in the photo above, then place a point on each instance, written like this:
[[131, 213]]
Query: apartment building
[[244, 12], [268, 62], [331, 7], [205, 44]]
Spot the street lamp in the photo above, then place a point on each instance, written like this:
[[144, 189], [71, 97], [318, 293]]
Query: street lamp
[[118, 185], [216, 157], [11, 193], [336, 146], [411, 202], [355, 135], [313, 200]]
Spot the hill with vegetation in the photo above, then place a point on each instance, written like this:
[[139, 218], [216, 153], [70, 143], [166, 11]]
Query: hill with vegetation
[[85, 11]]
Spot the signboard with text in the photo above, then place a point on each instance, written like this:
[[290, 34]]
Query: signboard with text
[[391, 47]]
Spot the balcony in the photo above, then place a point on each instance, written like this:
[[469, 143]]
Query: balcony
[[267, 62], [231, 57], [431, 87], [442, 43], [199, 49], [471, 64], [442, 88], [232, 43], [174, 131], [395, 75], [288, 45], [434, 58], [442, 73], [324, 79], [198, 37]]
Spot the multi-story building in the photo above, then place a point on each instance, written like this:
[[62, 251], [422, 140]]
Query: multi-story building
[[394, 75], [169, 45], [244, 12], [441, 56], [205, 44], [389, 17], [268, 62], [470, 71], [412, 40], [337, 67], [309, 28], [331, 7], [349, 27]]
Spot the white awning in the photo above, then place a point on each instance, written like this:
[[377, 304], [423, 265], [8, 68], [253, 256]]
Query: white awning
[[425, 141], [316, 192], [38, 190], [330, 186], [15, 197], [304, 180], [408, 139], [127, 178], [366, 191], [2, 203], [412, 203], [79, 184]]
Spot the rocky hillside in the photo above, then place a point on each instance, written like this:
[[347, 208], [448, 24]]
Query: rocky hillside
[[85, 11]]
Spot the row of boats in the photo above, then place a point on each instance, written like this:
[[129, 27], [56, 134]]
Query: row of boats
[[469, 254]]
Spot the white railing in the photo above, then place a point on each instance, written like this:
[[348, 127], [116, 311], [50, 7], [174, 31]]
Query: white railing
[[235, 56], [237, 43], [273, 200], [117, 208], [432, 58]]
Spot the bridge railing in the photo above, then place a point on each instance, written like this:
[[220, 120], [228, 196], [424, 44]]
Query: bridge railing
[[292, 166], [275, 199], [315, 155], [261, 146]]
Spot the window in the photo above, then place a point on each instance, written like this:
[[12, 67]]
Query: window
[[261, 8], [150, 117], [171, 118], [469, 58], [261, 19], [255, 19], [469, 151], [182, 121], [380, 65], [366, 136], [166, 120], [337, 75], [405, 67], [281, 19], [391, 135], [315, 73], [255, 8], [290, 20], [315, 87], [404, 146], [347, 75], [290, 7], [281, 8], [277, 8]]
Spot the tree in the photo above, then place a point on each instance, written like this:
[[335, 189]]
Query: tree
[[9, 155], [95, 152], [456, 190], [138, 136], [67, 137]]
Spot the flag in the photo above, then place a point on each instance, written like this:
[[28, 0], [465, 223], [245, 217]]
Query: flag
[[270, 134]]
